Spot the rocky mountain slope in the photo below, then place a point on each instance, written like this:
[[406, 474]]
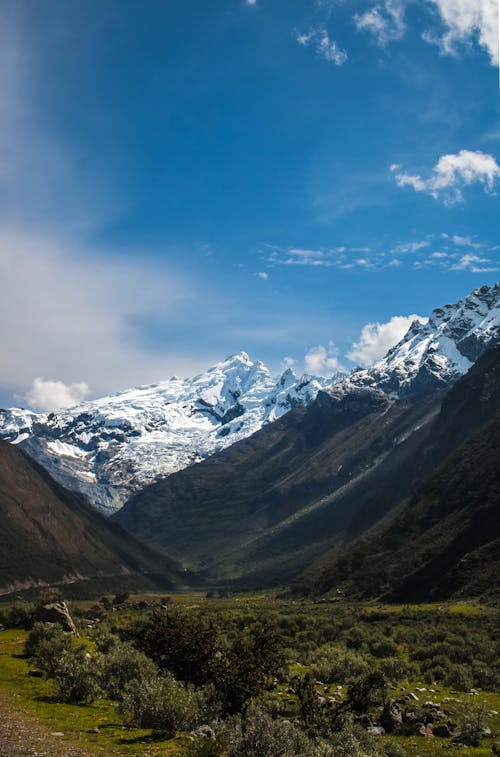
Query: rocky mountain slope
[[111, 447], [263, 509], [52, 536], [445, 541]]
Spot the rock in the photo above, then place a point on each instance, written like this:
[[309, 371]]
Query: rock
[[35, 673], [95, 729], [57, 733], [205, 732], [391, 717], [57, 612], [375, 730], [413, 696], [442, 731], [426, 731]]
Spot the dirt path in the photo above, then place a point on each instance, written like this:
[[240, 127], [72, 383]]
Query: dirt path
[[20, 736]]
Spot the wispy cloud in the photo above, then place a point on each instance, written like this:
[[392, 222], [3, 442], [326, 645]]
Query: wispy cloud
[[444, 251], [325, 47], [384, 21], [452, 174]]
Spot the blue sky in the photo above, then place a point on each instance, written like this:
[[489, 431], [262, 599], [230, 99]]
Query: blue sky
[[183, 179]]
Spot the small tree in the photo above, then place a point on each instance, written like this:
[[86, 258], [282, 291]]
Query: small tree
[[45, 645]]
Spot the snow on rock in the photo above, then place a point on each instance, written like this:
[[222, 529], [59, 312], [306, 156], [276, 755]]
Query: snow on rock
[[109, 447], [437, 351]]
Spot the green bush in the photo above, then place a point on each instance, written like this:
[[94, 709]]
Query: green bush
[[160, 703], [256, 734], [460, 678], [352, 741], [334, 664], [121, 665], [45, 646], [76, 676]]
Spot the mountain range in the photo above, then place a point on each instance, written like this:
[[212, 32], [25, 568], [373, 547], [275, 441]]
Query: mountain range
[[267, 507], [111, 447], [251, 481]]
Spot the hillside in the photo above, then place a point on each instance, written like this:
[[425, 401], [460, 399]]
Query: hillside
[[445, 541], [263, 510], [51, 535]]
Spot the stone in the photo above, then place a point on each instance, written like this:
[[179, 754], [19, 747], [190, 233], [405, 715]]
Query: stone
[[95, 729], [57, 612], [441, 730], [375, 730], [391, 717], [426, 731], [205, 732]]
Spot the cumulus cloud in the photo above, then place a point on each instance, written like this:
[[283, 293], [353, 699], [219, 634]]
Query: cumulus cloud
[[464, 22], [53, 395], [262, 275], [325, 47], [321, 361], [452, 173], [377, 338]]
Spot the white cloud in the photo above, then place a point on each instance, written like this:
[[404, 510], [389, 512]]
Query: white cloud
[[466, 21], [325, 47], [321, 361], [385, 21], [251, 2], [474, 264], [462, 23], [377, 338], [262, 275], [52, 395], [76, 315], [288, 362], [452, 173]]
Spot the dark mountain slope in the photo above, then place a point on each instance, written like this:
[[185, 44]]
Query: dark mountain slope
[[265, 508], [445, 541], [51, 535]]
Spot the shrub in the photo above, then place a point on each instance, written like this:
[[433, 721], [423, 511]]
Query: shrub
[[123, 664], [256, 734], [334, 664], [460, 678], [76, 677], [352, 741], [20, 616], [45, 646], [160, 703]]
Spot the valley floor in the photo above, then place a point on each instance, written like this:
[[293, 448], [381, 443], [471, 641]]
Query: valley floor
[[33, 724]]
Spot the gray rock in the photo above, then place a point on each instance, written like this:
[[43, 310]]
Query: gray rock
[[391, 717], [57, 612], [205, 732]]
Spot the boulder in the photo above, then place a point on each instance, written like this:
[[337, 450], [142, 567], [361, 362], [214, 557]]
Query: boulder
[[442, 731], [57, 612], [391, 717], [375, 730], [426, 731], [205, 732]]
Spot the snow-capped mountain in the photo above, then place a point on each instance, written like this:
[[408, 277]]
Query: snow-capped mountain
[[437, 351], [109, 447]]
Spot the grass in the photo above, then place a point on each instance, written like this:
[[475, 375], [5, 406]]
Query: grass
[[307, 624]]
